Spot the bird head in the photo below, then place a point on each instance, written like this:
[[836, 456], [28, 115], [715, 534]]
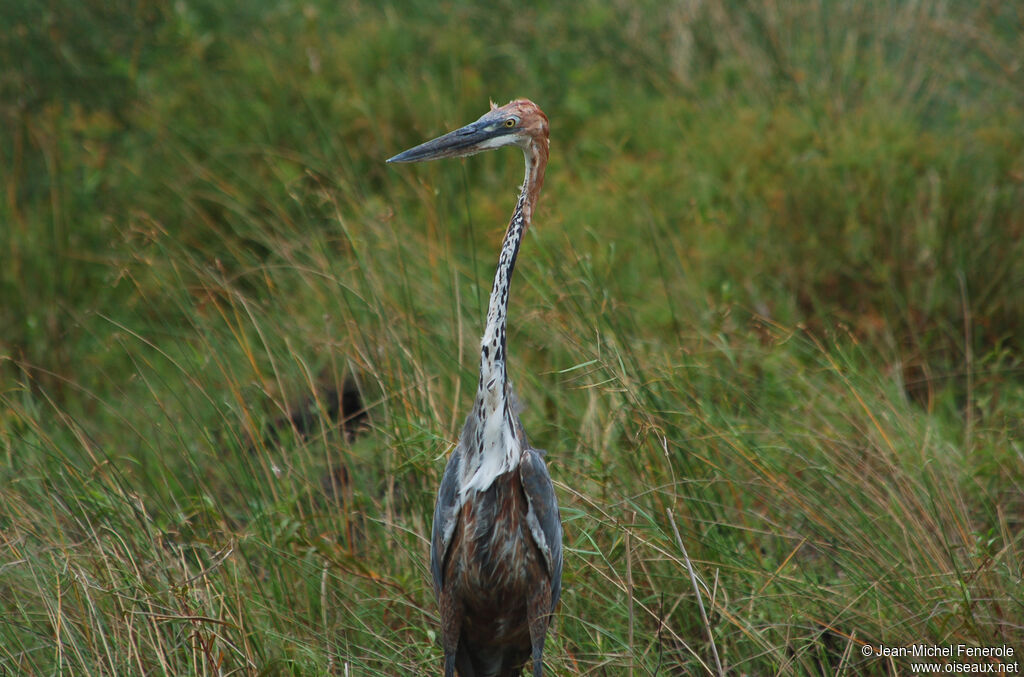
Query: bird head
[[517, 123]]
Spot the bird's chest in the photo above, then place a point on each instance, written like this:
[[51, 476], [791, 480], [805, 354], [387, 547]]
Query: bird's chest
[[495, 556]]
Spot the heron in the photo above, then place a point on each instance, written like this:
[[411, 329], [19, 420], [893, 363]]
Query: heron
[[496, 541]]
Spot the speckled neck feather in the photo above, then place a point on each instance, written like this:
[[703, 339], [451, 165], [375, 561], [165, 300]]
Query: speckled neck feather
[[496, 446]]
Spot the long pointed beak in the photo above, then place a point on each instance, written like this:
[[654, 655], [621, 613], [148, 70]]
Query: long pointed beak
[[461, 142]]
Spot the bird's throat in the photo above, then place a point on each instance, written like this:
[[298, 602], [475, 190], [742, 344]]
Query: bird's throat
[[496, 448]]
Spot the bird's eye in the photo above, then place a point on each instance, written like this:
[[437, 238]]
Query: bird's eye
[[511, 122]]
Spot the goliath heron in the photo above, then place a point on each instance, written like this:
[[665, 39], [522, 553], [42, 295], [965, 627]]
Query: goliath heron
[[496, 543]]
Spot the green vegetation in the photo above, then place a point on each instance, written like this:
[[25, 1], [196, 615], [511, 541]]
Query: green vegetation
[[774, 299]]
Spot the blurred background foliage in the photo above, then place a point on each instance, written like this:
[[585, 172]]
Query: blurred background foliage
[[851, 162]]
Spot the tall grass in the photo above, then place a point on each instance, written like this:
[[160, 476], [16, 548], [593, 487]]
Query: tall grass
[[771, 303]]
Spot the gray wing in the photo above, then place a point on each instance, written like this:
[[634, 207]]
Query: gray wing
[[446, 514], [543, 518]]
